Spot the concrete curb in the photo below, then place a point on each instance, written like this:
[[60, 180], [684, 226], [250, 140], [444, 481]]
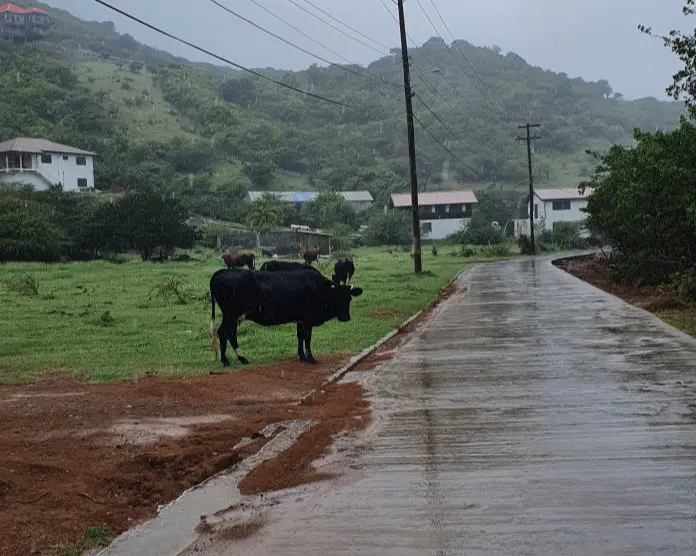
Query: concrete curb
[[353, 361]]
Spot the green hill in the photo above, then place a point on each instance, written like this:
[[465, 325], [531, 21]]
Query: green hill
[[147, 112]]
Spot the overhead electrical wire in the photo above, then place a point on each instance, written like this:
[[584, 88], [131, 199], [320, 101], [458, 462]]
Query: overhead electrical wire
[[334, 27], [298, 47], [443, 124], [434, 137], [226, 60], [464, 72], [346, 25], [456, 45]]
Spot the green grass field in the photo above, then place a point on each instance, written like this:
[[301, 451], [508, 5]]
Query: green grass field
[[103, 321]]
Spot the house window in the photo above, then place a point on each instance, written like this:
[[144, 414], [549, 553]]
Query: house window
[[81, 161], [561, 205], [81, 182], [46, 159], [65, 157], [536, 211]]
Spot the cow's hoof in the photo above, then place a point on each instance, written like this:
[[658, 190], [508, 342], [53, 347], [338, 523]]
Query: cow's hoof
[[243, 360], [226, 363], [312, 360]]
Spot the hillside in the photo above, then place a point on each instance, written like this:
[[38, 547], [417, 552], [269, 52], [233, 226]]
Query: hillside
[[147, 112]]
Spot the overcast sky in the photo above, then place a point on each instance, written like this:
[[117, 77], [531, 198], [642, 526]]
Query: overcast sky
[[593, 39]]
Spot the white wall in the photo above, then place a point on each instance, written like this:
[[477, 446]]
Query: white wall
[[549, 216], [64, 169], [29, 178], [444, 227]]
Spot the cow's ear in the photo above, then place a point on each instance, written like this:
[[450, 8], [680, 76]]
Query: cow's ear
[[355, 292], [334, 279]]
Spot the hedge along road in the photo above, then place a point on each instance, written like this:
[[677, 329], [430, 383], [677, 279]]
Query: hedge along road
[[534, 414]]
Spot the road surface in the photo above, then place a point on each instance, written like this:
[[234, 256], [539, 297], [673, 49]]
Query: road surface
[[534, 414]]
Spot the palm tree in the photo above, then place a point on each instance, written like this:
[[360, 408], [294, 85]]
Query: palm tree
[[264, 215]]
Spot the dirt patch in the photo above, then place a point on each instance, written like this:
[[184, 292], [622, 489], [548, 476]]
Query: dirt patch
[[338, 408], [595, 270], [382, 313], [241, 531], [65, 464]]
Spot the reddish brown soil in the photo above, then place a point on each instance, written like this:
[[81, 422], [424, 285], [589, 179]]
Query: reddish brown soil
[[241, 531], [62, 469], [341, 407], [594, 270]]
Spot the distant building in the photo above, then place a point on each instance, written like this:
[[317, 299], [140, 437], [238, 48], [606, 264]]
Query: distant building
[[442, 213], [23, 24], [359, 200], [554, 205], [42, 163]]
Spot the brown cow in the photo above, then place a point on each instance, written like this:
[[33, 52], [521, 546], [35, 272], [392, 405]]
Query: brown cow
[[239, 259], [311, 255]]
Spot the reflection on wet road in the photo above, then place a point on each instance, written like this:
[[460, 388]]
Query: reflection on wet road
[[532, 415]]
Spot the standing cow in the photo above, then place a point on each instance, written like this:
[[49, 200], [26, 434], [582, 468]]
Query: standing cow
[[343, 270], [239, 259], [304, 297], [311, 255]]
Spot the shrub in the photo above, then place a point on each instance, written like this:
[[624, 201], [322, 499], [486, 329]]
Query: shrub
[[481, 232], [24, 285]]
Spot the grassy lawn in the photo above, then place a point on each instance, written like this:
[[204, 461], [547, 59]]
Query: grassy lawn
[[103, 321]]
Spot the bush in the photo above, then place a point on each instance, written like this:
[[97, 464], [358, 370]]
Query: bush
[[481, 232], [525, 244], [24, 285], [682, 284], [392, 228]]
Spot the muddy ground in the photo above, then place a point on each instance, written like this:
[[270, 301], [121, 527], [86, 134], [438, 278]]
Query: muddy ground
[[594, 270], [75, 455]]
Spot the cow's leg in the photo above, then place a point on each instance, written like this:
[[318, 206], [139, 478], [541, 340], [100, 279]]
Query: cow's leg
[[300, 340], [231, 332], [308, 343], [223, 344]]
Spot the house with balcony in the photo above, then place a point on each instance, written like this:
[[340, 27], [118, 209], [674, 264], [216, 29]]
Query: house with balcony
[[43, 164], [24, 24], [442, 213]]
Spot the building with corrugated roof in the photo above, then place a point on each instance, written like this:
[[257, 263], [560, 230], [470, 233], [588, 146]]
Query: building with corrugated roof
[[359, 200], [442, 213], [23, 24], [42, 163]]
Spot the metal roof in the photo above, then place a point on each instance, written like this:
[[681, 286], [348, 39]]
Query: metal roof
[[38, 146], [22, 11], [306, 196], [560, 193], [435, 198]]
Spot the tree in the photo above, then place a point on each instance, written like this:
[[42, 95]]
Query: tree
[[644, 204], [684, 46], [392, 228], [328, 209], [480, 231], [265, 214], [144, 220]]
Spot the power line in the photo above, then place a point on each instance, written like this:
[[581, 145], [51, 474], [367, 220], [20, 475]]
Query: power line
[[437, 32], [223, 59], [334, 27], [434, 91], [301, 49], [434, 137], [456, 45], [346, 25], [443, 124]]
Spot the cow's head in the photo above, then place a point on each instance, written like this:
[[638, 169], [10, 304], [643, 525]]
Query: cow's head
[[343, 296]]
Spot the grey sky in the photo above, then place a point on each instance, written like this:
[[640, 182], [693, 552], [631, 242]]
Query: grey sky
[[593, 39]]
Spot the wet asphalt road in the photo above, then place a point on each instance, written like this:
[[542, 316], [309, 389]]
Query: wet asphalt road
[[532, 415]]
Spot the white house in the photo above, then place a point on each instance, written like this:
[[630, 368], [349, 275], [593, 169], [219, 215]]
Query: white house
[[555, 205], [42, 163], [442, 213]]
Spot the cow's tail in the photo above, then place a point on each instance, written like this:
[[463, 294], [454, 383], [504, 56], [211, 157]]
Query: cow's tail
[[213, 337]]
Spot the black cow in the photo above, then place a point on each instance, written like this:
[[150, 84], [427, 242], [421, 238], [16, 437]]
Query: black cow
[[266, 253], [343, 271], [304, 297], [273, 266]]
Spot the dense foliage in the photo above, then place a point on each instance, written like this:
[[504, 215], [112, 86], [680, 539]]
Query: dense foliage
[[644, 202], [52, 225]]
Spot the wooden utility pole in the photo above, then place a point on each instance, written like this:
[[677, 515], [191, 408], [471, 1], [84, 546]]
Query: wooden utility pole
[[529, 139], [417, 265]]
